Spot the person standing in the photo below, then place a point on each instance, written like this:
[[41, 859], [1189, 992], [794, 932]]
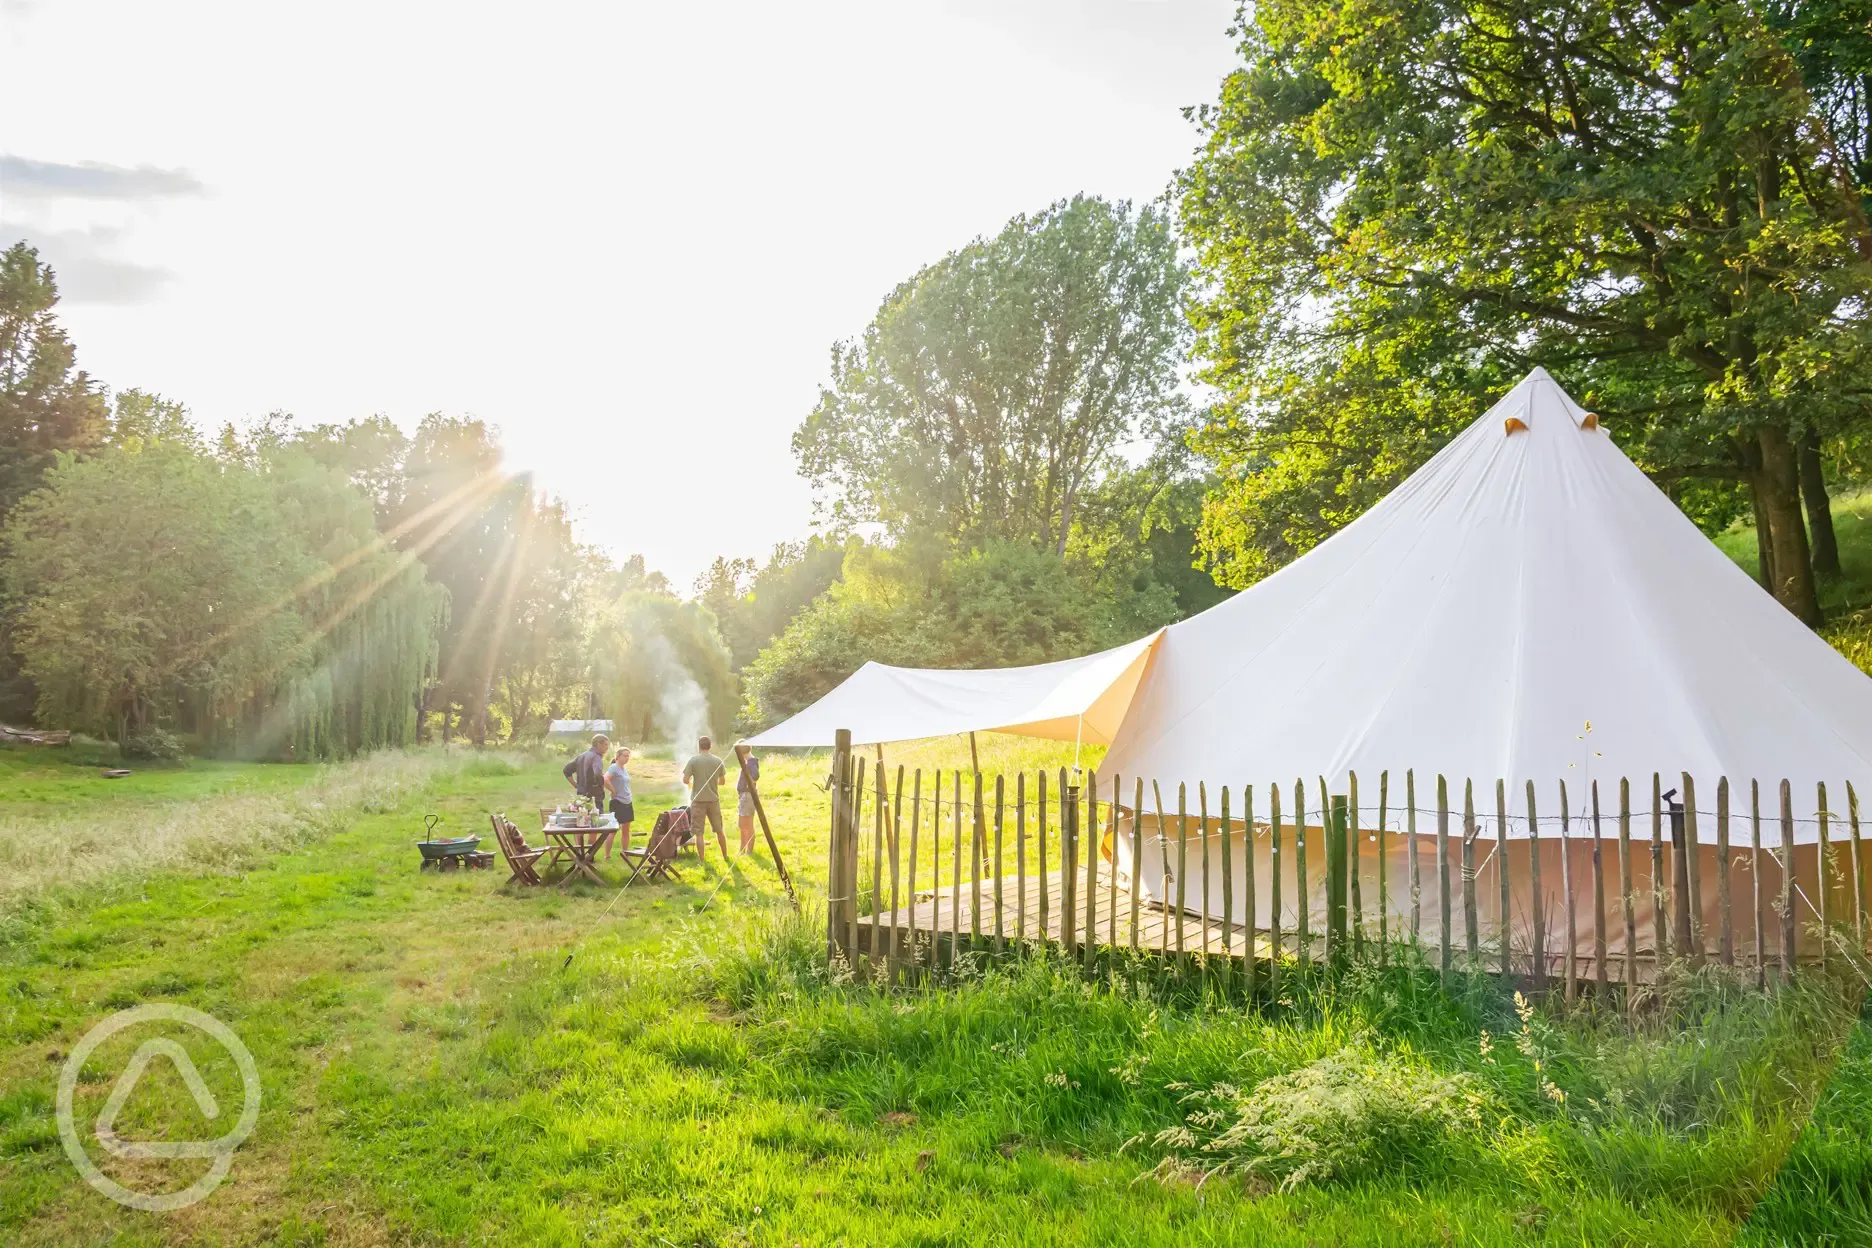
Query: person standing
[[586, 772], [703, 772], [617, 783], [744, 793]]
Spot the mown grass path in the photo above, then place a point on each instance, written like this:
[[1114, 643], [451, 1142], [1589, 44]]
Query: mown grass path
[[435, 1073]]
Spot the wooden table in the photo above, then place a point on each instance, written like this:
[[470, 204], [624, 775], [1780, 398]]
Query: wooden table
[[582, 846]]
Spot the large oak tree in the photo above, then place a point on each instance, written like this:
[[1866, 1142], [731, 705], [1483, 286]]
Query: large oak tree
[[1402, 206]]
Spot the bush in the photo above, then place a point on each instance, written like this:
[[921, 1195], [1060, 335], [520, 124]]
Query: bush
[[157, 744], [1354, 1114]]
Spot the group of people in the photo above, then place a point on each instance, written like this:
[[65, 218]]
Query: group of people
[[604, 777]]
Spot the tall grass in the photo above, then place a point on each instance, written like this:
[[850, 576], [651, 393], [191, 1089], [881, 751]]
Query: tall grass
[[73, 848], [1374, 1076]]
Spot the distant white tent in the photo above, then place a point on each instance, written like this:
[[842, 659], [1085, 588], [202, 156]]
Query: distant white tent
[[1081, 699], [577, 727]]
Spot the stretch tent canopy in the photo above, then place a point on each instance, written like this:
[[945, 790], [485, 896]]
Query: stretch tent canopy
[[1082, 699]]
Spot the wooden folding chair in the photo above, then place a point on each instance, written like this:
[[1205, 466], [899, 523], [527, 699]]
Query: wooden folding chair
[[657, 859], [520, 861]]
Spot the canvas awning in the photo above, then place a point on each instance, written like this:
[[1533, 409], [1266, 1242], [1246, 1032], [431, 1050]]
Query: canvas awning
[[1082, 699]]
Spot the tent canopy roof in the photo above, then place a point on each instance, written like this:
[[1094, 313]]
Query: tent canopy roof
[[1074, 699]]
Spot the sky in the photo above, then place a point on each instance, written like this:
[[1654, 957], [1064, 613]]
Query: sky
[[625, 234]]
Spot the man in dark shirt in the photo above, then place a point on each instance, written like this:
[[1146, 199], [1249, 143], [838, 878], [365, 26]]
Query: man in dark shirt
[[586, 772]]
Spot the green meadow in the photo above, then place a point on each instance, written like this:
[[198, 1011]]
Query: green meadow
[[448, 1059]]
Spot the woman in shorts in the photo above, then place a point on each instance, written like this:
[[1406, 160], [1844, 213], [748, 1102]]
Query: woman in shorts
[[745, 793], [617, 784]]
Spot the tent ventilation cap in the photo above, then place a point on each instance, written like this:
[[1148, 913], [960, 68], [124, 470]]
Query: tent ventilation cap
[[1514, 424], [1591, 421]]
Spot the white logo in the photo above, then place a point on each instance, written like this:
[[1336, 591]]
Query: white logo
[[220, 1151]]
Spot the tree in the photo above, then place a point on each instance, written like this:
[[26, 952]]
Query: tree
[[245, 604], [752, 604], [661, 670], [993, 389], [47, 405], [1400, 207]]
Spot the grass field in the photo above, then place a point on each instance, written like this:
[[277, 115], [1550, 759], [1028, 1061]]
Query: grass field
[[435, 1071]]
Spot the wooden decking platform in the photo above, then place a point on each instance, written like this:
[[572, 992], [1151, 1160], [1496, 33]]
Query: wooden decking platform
[[938, 915]]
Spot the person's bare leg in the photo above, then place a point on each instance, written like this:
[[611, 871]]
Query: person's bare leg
[[721, 837], [624, 838], [747, 834]]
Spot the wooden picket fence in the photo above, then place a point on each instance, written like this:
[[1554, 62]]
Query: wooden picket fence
[[921, 875]]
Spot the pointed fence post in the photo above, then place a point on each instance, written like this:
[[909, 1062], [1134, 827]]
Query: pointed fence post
[[1274, 885], [1501, 874], [1069, 861], [1694, 860], [1625, 881], [1598, 890], [1471, 936], [841, 856], [910, 881], [1660, 911], [1384, 870], [1538, 953], [1572, 907], [1248, 887], [1790, 930], [1228, 897], [1761, 896], [1303, 930], [1091, 851], [1725, 898], [1338, 949], [1822, 876], [1354, 851], [1444, 905], [1137, 857]]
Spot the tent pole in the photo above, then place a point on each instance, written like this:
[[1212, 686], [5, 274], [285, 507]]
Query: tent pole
[[974, 758], [1078, 734]]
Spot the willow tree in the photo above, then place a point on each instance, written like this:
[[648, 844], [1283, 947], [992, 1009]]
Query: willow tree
[[993, 389], [246, 600], [1402, 206]]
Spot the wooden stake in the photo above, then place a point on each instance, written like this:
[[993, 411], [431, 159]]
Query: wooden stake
[[1538, 954], [1182, 868], [760, 813], [955, 904], [1410, 838], [1090, 842], [1228, 896], [1248, 866], [1822, 876], [1000, 814], [1111, 876], [841, 855], [916, 822], [1069, 864], [1163, 884], [1625, 883], [1471, 936], [1046, 884], [1725, 897], [1501, 874], [1790, 946], [1598, 891], [1137, 857], [1303, 929], [1445, 905], [1695, 861], [978, 838], [896, 842], [877, 858], [1660, 915], [1353, 845], [1020, 855], [1761, 900], [1274, 885], [1384, 870], [1858, 868], [1572, 908]]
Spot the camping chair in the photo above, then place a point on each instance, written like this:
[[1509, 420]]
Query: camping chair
[[519, 860], [657, 859]]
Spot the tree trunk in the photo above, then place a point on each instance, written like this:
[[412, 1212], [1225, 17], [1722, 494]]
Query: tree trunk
[[1777, 490], [1819, 510], [1764, 542]]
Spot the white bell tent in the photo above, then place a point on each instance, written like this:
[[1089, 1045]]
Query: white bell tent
[[1528, 607]]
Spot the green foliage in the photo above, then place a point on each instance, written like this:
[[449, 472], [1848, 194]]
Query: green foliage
[[247, 602], [751, 603], [1400, 207], [661, 670], [152, 742], [1353, 1115], [47, 406], [994, 388]]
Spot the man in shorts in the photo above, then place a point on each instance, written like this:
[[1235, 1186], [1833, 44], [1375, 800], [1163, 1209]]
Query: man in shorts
[[586, 772], [703, 772]]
